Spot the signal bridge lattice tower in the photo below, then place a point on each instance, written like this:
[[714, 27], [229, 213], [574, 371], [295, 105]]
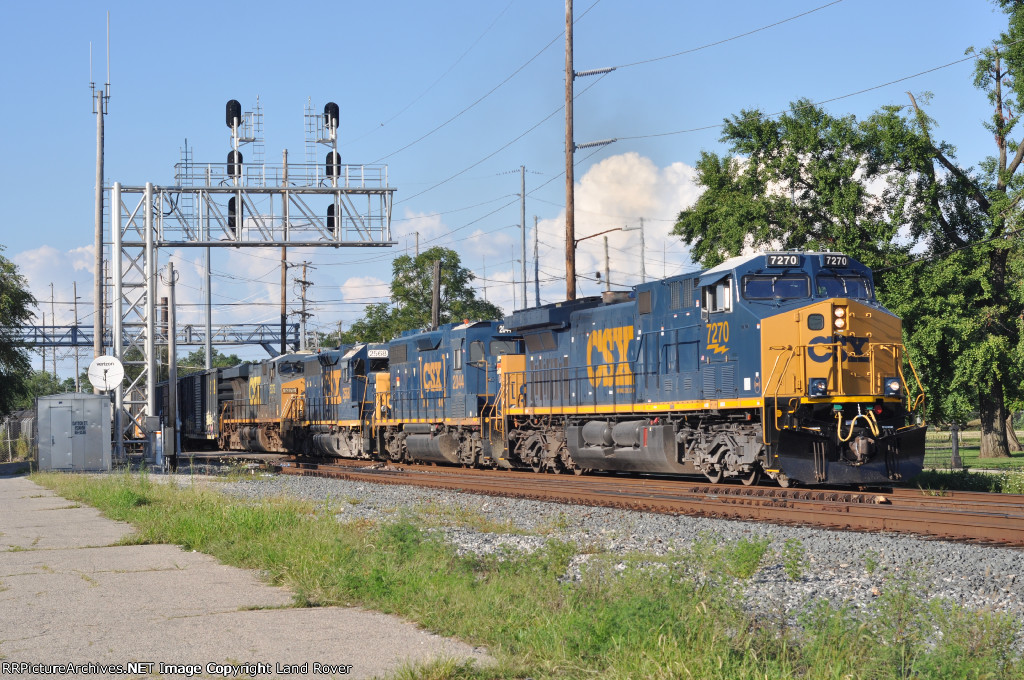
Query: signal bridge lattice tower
[[228, 205]]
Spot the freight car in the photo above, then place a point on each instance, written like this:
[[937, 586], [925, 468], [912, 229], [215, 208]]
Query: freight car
[[200, 396], [778, 364]]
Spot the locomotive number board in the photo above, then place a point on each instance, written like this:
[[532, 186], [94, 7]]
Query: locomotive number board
[[831, 260], [782, 260]]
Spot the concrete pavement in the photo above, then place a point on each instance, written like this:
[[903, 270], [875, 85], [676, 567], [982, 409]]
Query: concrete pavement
[[70, 594]]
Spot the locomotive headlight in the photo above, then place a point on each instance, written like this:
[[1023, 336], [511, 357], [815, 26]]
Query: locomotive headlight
[[893, 387], [839, 318], [817, 387]]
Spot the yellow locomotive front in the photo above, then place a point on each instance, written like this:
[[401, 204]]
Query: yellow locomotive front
[[839, 406]]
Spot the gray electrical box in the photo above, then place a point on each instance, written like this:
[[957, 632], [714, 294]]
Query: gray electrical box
[[74, 432]]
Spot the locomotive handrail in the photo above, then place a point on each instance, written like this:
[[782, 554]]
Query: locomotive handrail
[[778, 386], [895, 350]]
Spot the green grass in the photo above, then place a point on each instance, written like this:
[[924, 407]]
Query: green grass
[[675, 617], [938, 448]]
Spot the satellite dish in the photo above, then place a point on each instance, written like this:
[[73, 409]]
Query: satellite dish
[[106, 373]]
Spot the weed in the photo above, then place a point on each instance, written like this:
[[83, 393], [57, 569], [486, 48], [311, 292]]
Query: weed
[[435, 514], [445, 669], [793, 558], [744, 557], [871, 562], [23, 448], [555, 525]]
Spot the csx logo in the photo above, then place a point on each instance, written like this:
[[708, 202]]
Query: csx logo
[[333, 384], [254, 390], [433, 376], [823, 354], [608, 357]]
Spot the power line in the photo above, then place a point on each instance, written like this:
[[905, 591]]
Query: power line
[[485, 96], [730, 39], [812, 104], [439, 78]]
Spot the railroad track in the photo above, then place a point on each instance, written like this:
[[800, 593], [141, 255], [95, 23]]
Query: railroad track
[[996, 519]]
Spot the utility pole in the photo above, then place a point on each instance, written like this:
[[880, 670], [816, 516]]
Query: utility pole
[[607, 272], [305, 283], [172, 370], [100, 106], [435, 298], [417, 244], [53, 320], [42, 350], [570, 218], [284, 260], [207, 262], [74, 334], [536, 265], [485, 278], [643, 254], [514, 301], [522, 223]]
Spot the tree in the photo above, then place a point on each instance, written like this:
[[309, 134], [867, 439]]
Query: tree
[[410, 303], [877, 189], [41, 384], [16, 303], [197, 359]]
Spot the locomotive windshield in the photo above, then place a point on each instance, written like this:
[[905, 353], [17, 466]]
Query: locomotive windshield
[[844, 286], [499, 347], [787, 287]]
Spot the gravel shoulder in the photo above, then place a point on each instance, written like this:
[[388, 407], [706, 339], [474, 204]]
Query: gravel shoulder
[[845, 568]]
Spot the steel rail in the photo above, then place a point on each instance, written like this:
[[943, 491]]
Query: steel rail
[[985, 518]]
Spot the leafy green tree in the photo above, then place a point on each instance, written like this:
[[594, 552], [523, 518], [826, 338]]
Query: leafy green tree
[[16, 304], [410, 303], [41, 384], [197, 359], [879, 189]]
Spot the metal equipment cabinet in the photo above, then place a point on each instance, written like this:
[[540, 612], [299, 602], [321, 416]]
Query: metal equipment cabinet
[[74, 432]]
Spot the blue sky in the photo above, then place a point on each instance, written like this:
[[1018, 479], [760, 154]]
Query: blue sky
[[399, 70]]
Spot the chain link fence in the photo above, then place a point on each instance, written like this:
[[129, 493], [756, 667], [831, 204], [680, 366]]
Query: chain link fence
[[18, 436]]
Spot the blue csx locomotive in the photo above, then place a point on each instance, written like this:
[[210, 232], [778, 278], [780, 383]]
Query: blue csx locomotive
[[778, 364]]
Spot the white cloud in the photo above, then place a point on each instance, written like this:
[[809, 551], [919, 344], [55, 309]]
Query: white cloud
[[616, 193], [364, 289]]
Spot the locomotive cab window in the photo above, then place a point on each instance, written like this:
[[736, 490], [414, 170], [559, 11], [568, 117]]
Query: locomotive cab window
[[504, 346], [844, 286], [457, 358], [789, 287], [718, 296], [476, 352]]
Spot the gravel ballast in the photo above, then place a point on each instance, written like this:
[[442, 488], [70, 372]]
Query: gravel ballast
[[842, 567]]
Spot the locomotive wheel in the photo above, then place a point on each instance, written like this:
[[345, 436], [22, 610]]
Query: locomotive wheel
[[784, 481], [715, 476], [752, 477]]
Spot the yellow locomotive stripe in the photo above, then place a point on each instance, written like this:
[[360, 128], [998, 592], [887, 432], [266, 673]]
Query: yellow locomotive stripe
[[694, 405], [691, 405], [393, 422], [339, 423]]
